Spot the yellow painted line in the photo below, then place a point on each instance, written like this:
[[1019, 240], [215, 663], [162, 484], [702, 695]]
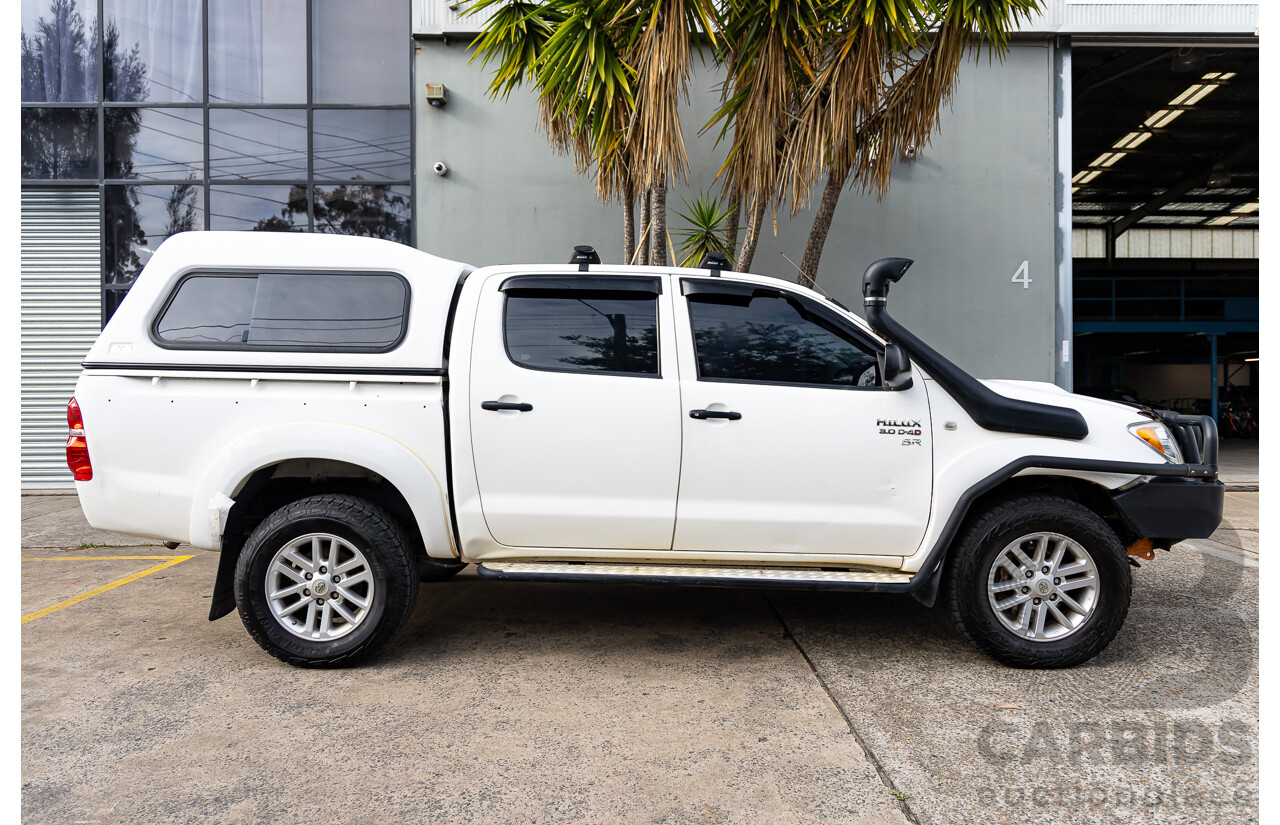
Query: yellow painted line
[[40, 614]]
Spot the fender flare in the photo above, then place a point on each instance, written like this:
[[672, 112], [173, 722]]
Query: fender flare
[[364, 447]]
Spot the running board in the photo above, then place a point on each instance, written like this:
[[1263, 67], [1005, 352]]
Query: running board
[[796, 578]]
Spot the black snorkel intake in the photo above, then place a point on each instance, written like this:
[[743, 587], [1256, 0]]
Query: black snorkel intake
[[990, 409]]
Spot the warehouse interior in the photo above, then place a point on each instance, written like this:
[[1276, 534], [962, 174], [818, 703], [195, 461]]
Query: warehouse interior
[[1165, 219]]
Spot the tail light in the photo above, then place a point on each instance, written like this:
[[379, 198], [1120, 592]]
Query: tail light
[[77, 446]]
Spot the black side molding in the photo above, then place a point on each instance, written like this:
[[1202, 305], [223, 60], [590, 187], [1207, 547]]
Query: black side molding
[[990, 409]]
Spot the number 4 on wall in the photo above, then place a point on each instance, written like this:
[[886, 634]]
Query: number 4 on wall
[[1023, 275]]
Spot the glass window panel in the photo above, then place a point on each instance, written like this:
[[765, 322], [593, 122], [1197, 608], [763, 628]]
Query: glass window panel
[[293, 310], [775, 340], [259, 208], [59, 51], [374, 211], [60, 143], [139, 218], [257, 144], [154, 144], [365, 311], [591, 332], [361, 51], [209, 309], [258, 51], [371, 144], [153, 50]]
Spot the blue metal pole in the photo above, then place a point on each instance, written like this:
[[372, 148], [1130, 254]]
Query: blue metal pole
[[1213, 369]]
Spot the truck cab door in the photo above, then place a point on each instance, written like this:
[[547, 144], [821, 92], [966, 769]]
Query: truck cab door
[[791, 442], [574, 410]]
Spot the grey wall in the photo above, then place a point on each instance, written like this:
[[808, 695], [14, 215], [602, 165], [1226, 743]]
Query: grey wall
[[969, 209]]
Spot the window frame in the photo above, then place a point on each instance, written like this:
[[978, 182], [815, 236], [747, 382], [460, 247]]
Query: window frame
[[153, 331], [707, 286], [545, 286]]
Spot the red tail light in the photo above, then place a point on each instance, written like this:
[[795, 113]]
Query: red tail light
[[77, 446]]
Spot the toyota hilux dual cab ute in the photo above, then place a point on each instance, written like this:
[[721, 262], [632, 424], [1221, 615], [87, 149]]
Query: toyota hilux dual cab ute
[[341, 418]]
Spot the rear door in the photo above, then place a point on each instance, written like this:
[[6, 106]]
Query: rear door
[[575, 411], [791, 443]]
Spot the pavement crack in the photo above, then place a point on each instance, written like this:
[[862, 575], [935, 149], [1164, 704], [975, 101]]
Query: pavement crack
[[894, 791]]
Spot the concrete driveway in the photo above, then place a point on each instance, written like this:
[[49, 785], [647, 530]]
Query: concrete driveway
[[505, 702]]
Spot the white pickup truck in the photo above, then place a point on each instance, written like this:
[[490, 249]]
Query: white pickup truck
[[342, 418]]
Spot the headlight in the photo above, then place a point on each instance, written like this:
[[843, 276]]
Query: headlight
[[1158, 438]]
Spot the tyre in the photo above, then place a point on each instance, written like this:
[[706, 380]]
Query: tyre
[[1038, 581], [326, 581], [438, 570]]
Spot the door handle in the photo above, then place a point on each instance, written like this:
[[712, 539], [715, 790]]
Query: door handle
[[505, 405], [703, 415]]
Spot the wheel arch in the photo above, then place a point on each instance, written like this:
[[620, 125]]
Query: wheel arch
[[271, 467], [1089, 494]]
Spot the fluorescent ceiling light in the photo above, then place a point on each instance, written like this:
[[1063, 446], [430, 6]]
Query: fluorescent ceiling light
[[1211, 76], [1090, 176], [1101, 159], [1168, 118], [1142, 138], [1222, 221], [1200, 95], [1245, 209], [1123, 143], [1111, 160], [1075, 189], [1251, 359], [1154, 119], [1226, 75], [1180, 99]]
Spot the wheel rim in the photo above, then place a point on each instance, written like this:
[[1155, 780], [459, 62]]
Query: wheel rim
[[1043, 586], [320, 587]]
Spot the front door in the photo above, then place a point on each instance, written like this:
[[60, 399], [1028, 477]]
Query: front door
[[575, 411], [791, 445]]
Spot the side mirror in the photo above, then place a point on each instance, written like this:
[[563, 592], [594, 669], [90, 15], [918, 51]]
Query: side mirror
[[895, 368]]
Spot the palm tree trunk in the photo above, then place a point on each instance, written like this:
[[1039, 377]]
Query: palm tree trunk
[[818, 234], [753, 235], [628, 224], [658, 236], [731, 230], [646, 222]]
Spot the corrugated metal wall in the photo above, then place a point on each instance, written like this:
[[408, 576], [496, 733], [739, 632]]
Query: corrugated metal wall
[[61, 316]]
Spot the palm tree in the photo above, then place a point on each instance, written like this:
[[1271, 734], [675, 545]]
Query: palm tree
[[609, 77], [766, 50], [866, 81]]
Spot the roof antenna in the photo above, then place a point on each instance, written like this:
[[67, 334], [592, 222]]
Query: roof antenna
[[584, 256], [816, 285]]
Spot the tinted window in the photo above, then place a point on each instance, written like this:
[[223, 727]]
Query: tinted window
[[209, 310], [773, 339], [583, 331], [287, 311]]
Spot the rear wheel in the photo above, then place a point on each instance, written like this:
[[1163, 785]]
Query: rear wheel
[[1039, 581], [326, 581]]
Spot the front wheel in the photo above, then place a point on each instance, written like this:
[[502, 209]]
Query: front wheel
[[1039, 581], [326, 581]]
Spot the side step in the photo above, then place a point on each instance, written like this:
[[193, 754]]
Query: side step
[[797, 578]]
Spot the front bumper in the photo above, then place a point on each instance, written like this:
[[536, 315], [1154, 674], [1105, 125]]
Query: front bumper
[[1172, 509], [1187, 505]]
